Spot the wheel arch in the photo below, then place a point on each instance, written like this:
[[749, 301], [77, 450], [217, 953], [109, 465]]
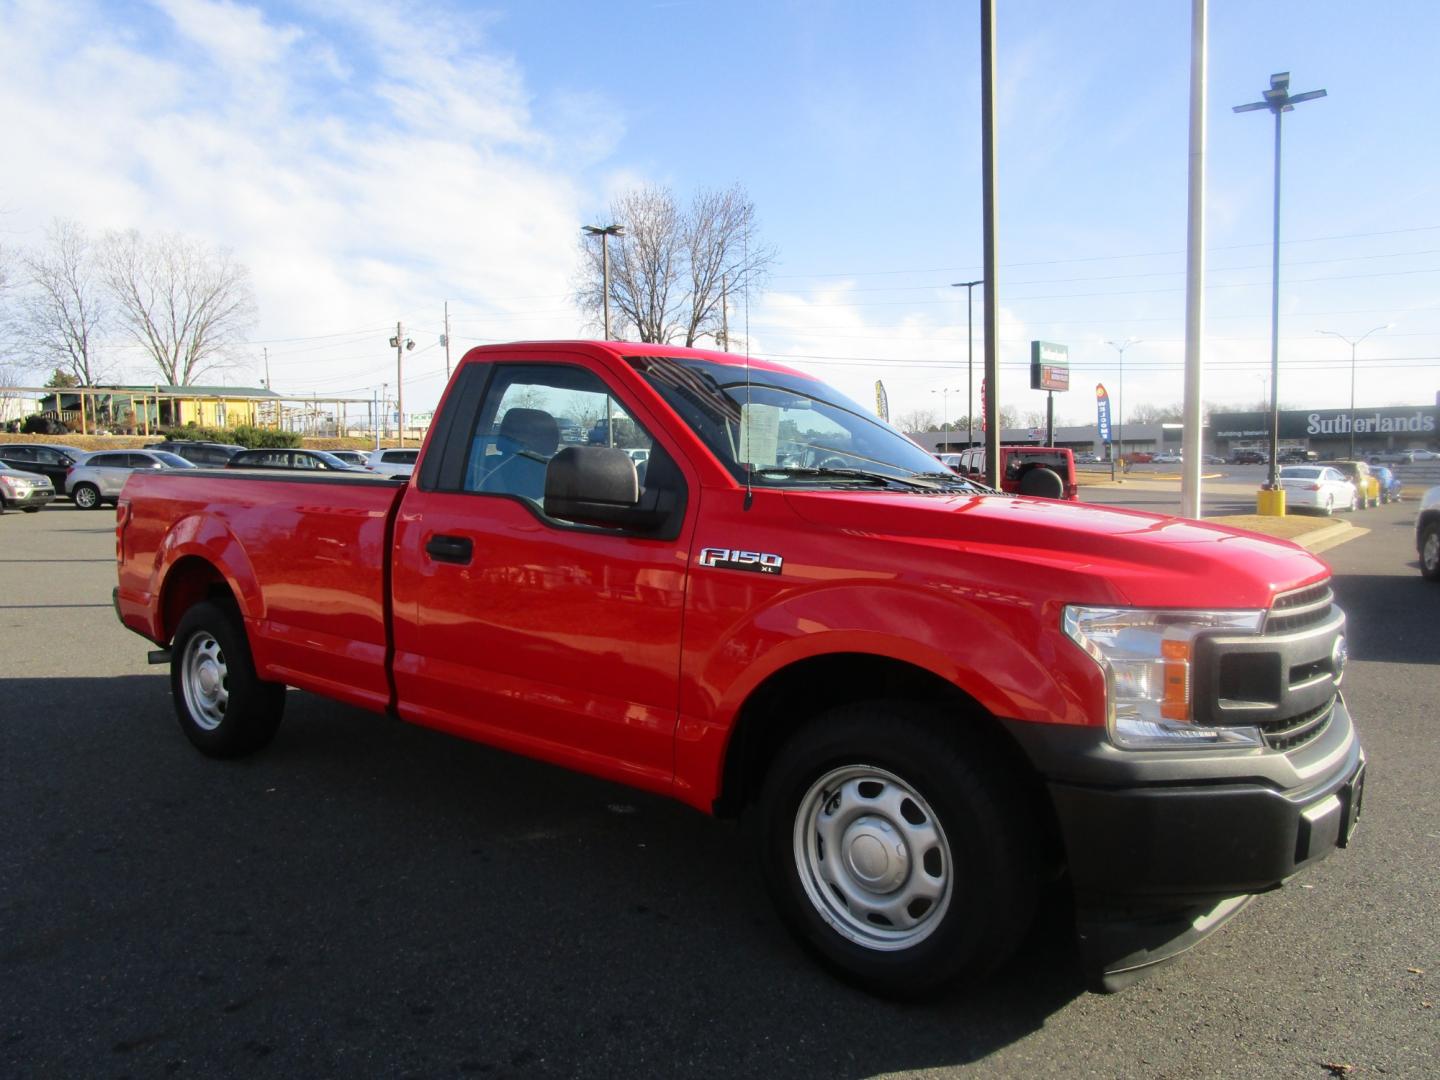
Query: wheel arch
[[191, 579], [796, 694]]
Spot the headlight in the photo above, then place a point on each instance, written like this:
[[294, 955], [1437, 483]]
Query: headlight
[[1148, 657]]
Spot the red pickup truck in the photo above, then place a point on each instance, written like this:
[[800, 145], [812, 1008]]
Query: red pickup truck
[[725, 582]]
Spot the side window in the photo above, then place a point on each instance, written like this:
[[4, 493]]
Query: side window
[[305, 461], [518, 430], [21, 453]]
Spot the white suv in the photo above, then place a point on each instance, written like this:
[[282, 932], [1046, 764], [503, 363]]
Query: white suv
[[392, 462], [97, 478]]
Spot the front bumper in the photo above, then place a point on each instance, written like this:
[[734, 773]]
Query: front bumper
[[31, 500], [1161, 848]]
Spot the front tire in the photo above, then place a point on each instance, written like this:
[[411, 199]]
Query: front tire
[[86, 496], [900, 856], [224, 708], [1430, 551]]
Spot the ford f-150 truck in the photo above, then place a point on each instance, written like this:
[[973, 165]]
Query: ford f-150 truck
[[932, 703]]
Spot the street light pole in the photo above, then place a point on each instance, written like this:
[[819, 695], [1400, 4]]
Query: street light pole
[[1120, 347], [1278, 100], [944, 393], [1352, 344], [605, 232], [969, 287]]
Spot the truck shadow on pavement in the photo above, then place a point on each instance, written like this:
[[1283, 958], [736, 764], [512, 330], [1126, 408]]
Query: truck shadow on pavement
[[366, 897]]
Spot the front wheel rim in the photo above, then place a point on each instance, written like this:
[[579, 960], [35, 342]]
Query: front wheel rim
[[204, 679], [1430, 556], [873, 858], [85, 498]]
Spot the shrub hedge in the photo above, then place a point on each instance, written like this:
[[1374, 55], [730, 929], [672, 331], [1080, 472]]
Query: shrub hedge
[[253, 438]]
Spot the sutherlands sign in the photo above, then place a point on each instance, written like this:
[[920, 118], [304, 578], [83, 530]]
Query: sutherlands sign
[[1339, 424], [1402, 420]]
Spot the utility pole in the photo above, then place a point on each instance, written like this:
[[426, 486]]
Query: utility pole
[[400, 343], [605, 232], [446, 340]]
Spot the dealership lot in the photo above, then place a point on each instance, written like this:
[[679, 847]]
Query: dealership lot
[[368, 898]]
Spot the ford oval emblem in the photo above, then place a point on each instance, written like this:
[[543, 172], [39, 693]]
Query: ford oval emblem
[[1339, 656]]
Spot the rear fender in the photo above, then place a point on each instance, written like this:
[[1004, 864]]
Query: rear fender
[[205, 537]]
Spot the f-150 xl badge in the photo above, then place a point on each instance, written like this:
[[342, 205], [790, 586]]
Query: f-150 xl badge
[[759, 562]]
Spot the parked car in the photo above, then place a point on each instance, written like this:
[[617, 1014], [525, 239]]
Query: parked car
[[1046, 472], [350, 457], [1213, 459], [1317, 487], [1367, 488], [392, 462], [1139, 457], [1087, 459], [197, 452], [47, 459], [1427, 534], [284, 458], [98, 477], [1249, 457], [1391, 457], [1294, 456], [1167, 457], [21, 490], [950, 461], [1390, 485]]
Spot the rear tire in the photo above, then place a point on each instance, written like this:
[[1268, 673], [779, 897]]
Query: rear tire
[[901, 859], [224, 708], [86, 496]]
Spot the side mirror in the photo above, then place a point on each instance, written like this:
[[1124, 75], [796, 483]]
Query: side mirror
[[596, 485]]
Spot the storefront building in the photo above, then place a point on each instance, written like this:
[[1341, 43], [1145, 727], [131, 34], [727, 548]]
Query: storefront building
[[1329, 432]]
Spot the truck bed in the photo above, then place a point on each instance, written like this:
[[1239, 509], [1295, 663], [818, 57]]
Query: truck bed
[[306, 556]]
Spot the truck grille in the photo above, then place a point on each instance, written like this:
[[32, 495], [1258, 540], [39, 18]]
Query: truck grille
[[1296, 610], [1283, 681]]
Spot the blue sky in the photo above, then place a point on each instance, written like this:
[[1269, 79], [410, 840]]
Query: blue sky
[[372, 160]]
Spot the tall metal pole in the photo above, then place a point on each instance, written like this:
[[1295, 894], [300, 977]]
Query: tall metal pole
[[1353, 344], [1191, 448], [1277, 99], [725, 310], [1273, 481], [992, 313]]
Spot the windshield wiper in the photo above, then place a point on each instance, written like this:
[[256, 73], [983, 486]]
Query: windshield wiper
[[949, 479], [916, 481]]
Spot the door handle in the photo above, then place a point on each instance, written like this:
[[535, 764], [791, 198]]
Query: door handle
[[451, 549]]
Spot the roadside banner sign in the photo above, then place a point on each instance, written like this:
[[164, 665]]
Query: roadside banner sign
[[882, 402], [1102, 410]]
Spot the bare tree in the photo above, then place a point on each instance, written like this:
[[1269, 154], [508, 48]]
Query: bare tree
[[917, 420], [669, 272], [186, 303], [66, 308], [1145, 413]]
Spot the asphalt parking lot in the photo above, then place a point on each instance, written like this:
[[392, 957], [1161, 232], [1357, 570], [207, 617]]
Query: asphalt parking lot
[[371, 899]]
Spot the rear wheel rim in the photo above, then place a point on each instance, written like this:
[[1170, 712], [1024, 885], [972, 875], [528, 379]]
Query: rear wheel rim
[[1430, 554], [204, 678], [873, 858], [85, 498]]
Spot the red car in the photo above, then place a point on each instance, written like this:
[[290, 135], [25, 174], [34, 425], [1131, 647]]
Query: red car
[[932, 701]]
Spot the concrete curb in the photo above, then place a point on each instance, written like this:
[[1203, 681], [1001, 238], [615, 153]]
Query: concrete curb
[[1317, 540]]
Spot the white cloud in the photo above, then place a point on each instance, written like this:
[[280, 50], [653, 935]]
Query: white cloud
[[366, 166]]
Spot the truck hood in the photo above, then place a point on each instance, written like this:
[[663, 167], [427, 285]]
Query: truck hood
[[1103, 554]]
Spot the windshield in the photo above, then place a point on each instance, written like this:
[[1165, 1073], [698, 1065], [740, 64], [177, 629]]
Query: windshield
[[782, 430], [175, 461]]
